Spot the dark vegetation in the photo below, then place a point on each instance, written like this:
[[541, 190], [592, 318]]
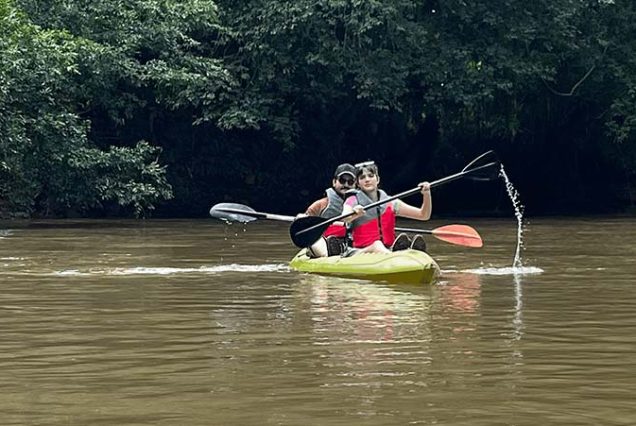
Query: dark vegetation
[[111, 108]]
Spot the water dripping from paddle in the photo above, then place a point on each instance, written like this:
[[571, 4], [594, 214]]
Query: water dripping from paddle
[[229, 230], [230, 234], [519, 208], [517, 267]]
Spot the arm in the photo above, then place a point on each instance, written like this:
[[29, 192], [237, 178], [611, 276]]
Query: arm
[[422, 213], [317, 207], [351, 206]]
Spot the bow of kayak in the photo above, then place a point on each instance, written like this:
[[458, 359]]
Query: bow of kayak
[[405, 266]]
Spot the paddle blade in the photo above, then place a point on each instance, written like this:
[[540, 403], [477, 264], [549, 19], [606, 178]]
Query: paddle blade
[[231, 212], [484, 168], [306, 238], [461, 235]]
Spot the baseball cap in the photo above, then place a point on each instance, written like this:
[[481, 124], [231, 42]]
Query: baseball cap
[[344, 169]]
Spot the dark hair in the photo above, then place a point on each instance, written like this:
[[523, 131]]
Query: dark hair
[[368, 166]]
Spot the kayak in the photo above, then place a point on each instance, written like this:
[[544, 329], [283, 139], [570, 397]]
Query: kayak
[[404, 266]]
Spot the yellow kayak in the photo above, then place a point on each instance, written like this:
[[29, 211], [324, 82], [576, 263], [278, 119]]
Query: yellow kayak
[[404, 266]]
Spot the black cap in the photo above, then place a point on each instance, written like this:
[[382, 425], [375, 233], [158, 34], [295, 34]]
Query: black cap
[[344, 169]]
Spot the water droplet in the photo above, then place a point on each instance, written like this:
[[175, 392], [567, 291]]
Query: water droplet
[[519, 208]]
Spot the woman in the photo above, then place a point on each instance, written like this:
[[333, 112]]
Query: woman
[[373, 231]]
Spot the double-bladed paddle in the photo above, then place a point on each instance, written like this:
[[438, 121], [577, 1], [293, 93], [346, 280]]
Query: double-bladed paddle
[[305, 231], [462, 235]]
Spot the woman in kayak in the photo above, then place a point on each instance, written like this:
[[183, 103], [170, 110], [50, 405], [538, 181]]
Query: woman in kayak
[[373, 231]]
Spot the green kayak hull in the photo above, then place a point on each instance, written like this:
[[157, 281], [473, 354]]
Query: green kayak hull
[[405, 266]]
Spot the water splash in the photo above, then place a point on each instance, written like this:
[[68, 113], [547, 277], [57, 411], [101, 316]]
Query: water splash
[[142, 270], [517, 268], [514, 270], [519, 208]]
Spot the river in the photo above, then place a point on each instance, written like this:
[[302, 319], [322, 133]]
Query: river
[[193, 322]]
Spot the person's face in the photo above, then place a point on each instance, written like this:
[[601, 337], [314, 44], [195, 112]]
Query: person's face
[[343, 183], [368, 180]]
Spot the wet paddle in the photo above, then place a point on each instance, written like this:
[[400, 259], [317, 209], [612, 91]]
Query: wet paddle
[[305, 231], [233, 212], [462, 235]]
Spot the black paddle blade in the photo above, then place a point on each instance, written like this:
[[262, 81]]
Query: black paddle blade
[[483, 168], [231, 212], [306, 238]]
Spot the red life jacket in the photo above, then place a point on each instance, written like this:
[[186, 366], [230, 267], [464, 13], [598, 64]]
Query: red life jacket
[[377, 223], [335, 230]]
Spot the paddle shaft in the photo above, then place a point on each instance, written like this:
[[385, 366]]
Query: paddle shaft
[[284, 218], [400, 195], [468, 238]]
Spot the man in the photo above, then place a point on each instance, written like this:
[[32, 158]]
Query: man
[[333, 239]]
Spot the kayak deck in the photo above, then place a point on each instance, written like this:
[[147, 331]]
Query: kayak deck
[[404, 266]]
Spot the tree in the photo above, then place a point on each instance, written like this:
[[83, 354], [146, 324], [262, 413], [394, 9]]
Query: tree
[[47, 163]]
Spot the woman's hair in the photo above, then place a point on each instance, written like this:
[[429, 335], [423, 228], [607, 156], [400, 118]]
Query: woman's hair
[[367, 166]]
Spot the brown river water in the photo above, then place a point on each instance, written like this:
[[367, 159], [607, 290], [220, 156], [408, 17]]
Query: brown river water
[[201, 323]]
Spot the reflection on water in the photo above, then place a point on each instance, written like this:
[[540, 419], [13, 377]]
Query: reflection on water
[[361, 312], [460, 292], [189, 322], [518, 312]]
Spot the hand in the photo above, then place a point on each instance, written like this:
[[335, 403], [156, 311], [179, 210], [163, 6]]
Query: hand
[[358, 212], [425, 187]]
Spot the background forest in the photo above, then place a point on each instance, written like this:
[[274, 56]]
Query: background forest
[[118, 108]]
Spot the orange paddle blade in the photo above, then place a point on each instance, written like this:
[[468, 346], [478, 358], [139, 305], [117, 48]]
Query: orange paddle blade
[[462, 235]]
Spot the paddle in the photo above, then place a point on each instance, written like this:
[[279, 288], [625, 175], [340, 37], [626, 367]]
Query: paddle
[[233, 212], [462, 235], [305, 231]]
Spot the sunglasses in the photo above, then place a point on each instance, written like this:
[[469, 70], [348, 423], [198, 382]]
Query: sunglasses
[[369, 167], [346, 180], [365, 164]]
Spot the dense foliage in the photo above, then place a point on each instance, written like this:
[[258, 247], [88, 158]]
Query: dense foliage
[[257, 100], [48, 162]]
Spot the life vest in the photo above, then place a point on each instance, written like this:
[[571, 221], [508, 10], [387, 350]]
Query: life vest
[[377, 223], [333, 209]]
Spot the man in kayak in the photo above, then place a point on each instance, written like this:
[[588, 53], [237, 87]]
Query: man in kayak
[[373, 231], [333, 239]]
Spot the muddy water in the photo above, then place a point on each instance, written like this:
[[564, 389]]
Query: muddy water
[[199, 323]]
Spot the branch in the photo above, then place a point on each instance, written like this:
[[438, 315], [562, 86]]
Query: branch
[[578, 83]]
